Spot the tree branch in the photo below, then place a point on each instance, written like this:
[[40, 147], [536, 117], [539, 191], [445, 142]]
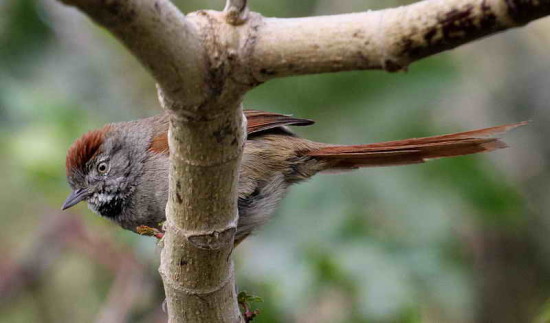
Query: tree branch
[[236, 11], [160, 36], [388, 39]]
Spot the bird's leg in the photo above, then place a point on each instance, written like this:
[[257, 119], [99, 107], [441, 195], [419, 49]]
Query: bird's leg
[[149, 231]]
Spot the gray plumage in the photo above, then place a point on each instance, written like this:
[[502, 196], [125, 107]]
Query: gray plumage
[[121, 170]]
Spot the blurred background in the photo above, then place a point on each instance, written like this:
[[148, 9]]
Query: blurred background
[[459, 240]]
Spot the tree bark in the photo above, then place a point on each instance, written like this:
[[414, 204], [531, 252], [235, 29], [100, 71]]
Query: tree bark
[[389, 39], [206, 61]]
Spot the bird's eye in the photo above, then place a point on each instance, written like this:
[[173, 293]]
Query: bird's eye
[[102, 168]]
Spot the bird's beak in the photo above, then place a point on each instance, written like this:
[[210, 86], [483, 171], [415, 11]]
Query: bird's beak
[[75, 197]]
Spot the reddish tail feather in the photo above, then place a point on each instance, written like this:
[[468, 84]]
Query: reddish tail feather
[[412, 151]]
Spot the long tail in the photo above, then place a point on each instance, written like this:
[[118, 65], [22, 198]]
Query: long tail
[[412, 151]]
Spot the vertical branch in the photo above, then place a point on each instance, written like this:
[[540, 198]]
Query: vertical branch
[[206, 145], [196, 263]]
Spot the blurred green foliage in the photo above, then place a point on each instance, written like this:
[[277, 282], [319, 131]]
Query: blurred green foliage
[[448, 241]]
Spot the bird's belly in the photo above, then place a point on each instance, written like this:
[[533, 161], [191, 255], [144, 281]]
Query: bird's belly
[[255, 209]]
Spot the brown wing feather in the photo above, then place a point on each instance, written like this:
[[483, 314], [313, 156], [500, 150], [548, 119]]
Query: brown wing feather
[[257, 121], [411, 151], [159, 144], [261, 121]]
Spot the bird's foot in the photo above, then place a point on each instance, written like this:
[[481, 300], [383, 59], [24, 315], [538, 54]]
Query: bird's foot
[[148, 231]]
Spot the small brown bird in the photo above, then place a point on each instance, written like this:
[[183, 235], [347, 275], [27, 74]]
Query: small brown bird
[[121, 170]]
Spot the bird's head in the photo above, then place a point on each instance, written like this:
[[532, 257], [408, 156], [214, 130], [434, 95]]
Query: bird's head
[[102, 169]]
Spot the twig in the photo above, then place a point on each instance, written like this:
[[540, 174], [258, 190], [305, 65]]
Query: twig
[[236, 11]]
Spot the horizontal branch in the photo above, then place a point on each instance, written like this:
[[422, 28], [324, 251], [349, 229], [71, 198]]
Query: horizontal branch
[[389, 39]]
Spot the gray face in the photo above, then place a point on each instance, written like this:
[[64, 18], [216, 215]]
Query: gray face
[[107, 183], [106, 180]]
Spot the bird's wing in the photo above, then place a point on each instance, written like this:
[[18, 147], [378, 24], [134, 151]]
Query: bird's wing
[[260, 121], [257, 121]]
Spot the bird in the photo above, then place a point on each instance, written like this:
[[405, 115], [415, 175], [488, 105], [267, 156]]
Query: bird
[[121, 170]]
